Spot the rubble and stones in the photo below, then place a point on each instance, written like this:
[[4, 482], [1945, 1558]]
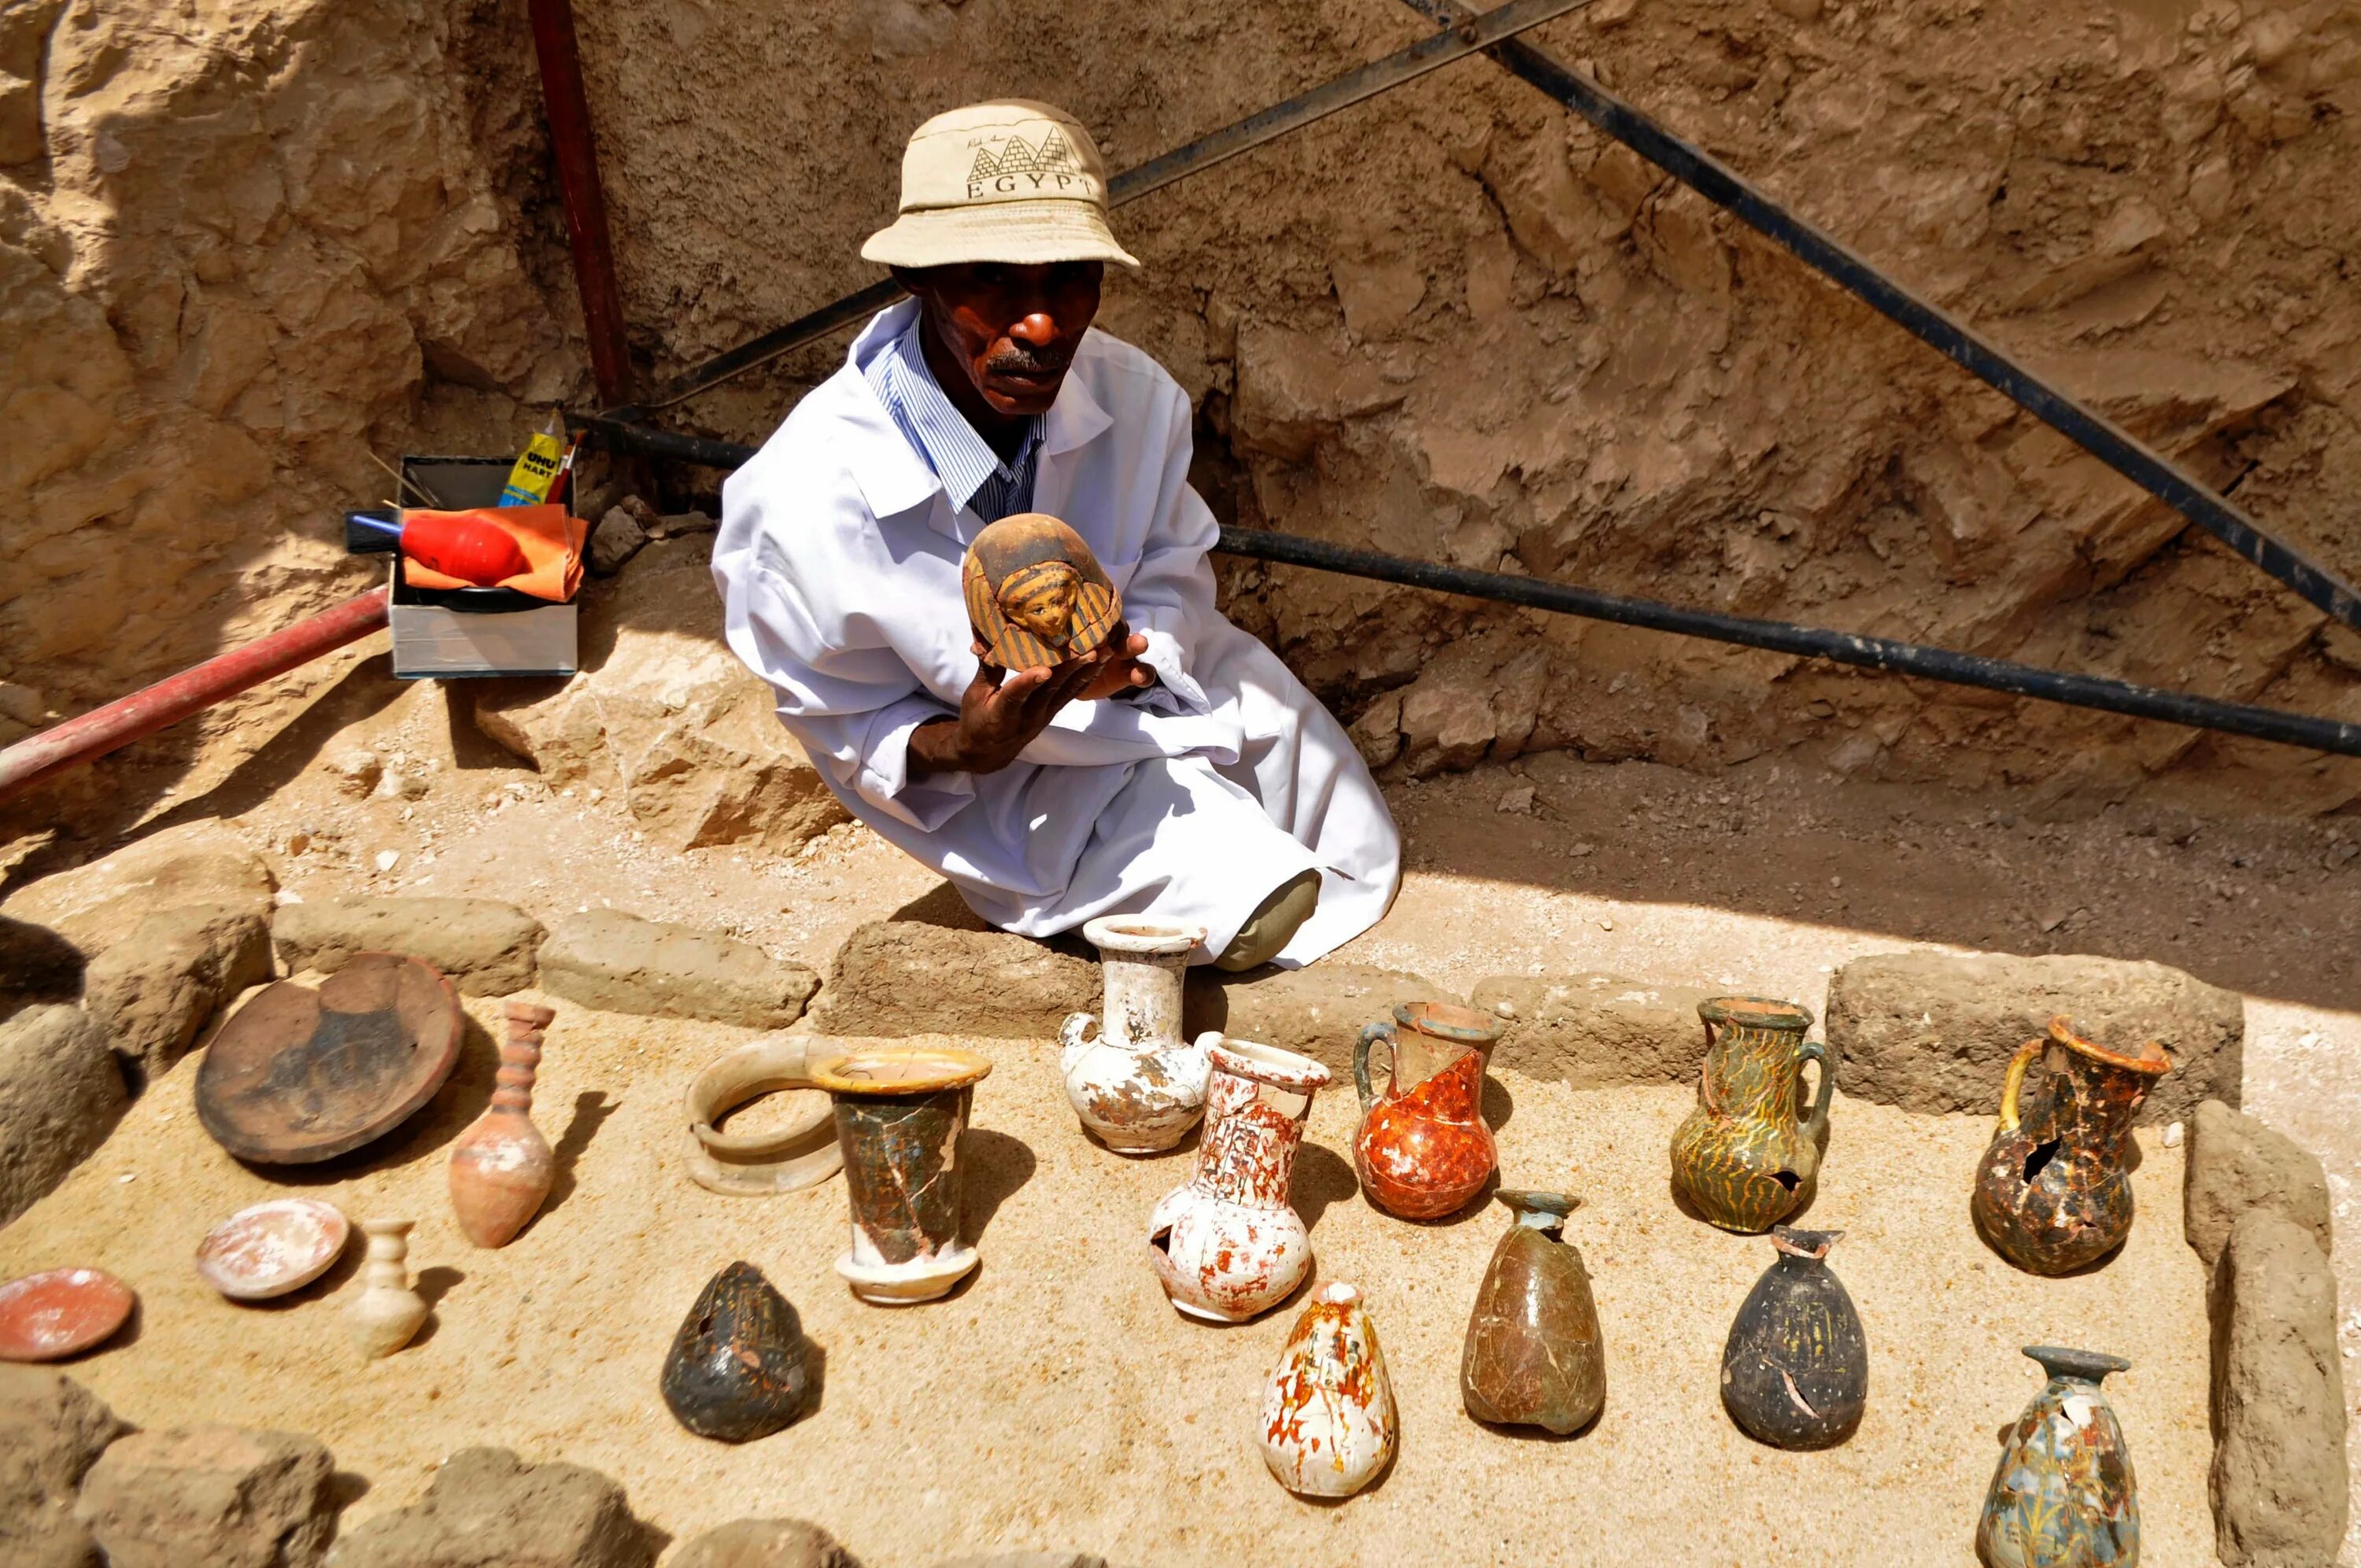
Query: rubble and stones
[[159, 987], [665, 715], [2280, 1480], [52, 1430], [214, 1495], [93, 906], [485, 946], [62, 1092], [1934, 1032], [910, 977], [619, 963], [765, 1543], [2237, 1166], [1593, 1030], [620, 531], [487, 1509]]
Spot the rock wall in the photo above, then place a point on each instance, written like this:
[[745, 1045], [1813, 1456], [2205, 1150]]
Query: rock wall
[[245, 242], [1456, 323]]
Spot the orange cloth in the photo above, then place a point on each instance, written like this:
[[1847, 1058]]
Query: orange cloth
[[552, 542]]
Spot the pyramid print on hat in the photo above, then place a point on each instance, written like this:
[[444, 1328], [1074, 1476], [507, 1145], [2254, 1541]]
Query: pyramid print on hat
[[1053, 157]]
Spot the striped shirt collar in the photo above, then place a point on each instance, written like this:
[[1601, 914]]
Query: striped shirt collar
[[973, 474]]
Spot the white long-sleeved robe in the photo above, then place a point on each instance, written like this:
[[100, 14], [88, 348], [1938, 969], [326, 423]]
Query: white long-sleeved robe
[[838, 566]]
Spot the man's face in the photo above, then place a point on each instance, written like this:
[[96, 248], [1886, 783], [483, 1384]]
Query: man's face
[[1012, 329]]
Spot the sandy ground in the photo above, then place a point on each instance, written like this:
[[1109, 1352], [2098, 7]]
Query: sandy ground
[[1066, 1405], [1058, 1400]]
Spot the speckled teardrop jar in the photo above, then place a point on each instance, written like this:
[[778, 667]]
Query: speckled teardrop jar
[[2053, 1192], [1423, 1150], [1329, 1422], [1534, 1355], [1794, 1373], [2063, 1495], [1745, 1157]]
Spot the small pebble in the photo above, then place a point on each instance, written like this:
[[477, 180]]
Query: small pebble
[[1505, 1008], [285, 896], [1606, 925], [2172, 1136], [387, 859]]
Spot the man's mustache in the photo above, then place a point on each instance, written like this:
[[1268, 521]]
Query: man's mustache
[[1018, 361]]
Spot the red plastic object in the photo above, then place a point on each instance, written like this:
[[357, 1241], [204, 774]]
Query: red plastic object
[[468, 548], [103, 730], [47, 1317]]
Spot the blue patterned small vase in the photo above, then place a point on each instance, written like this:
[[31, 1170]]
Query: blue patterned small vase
[[2063, 1496]]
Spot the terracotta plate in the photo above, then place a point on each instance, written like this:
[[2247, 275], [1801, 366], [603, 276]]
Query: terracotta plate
[[299, 1075], [44, 1317], [272, 1248]]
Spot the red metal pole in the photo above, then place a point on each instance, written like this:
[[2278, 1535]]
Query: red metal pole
[[94, 734], [568, 106]]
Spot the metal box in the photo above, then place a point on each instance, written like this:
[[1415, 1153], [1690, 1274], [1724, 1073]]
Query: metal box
[[448, 632]]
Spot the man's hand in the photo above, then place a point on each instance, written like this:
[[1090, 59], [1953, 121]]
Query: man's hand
[[1002, 710], [1119, 667]]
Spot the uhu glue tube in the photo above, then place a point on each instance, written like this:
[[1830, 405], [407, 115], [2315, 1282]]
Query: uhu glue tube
[[536, 468]]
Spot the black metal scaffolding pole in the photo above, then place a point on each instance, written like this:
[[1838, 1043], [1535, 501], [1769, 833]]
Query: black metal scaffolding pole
[[2085, 427], [1784, 637], [1464, 36], [2100, 692]]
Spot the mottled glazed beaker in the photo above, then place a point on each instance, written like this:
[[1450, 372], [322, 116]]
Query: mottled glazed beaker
[[1422, 1150], [1534, 1355], [1747, 1157], [2054, 1192], [899, 1114], [2063, 1495], [1794, 1373]]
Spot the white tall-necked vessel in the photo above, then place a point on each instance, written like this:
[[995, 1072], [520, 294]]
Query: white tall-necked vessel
[[1138, 1086]]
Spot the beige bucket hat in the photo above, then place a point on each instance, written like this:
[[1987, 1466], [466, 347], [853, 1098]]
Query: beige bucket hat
[[1008, 180]]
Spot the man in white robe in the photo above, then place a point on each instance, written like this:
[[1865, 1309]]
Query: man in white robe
[[1181, 773]]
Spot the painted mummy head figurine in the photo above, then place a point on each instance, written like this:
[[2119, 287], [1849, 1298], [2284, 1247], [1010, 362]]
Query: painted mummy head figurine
[[1035, 593]]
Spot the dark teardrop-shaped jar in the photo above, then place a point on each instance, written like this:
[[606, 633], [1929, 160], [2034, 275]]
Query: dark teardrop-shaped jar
[[1795, 1371], [1534, 1356], [739, 1368]]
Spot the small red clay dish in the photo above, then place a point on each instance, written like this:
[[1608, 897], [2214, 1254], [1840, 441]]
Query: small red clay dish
[[272, 1248], [46, 1317]]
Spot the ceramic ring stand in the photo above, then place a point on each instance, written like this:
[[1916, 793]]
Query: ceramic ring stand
[[803, 1153]]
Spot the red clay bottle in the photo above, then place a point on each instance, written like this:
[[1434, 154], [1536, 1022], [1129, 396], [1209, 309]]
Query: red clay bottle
[[501, 1166]]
